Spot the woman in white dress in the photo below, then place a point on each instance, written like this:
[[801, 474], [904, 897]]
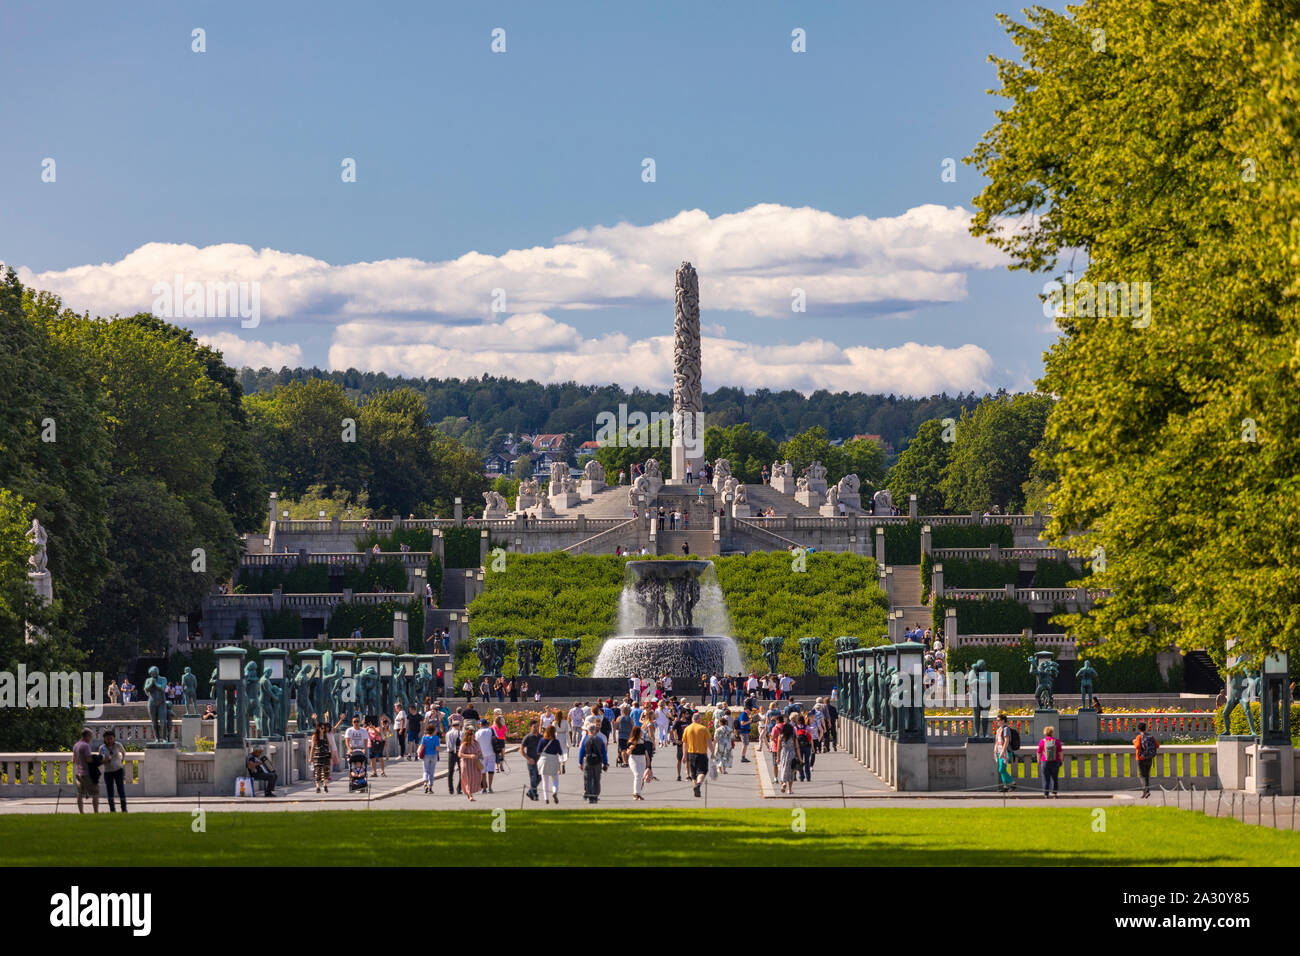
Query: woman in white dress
[[723, 737], [661, 726]]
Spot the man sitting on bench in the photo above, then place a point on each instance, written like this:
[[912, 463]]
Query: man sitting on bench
[[259, 768]]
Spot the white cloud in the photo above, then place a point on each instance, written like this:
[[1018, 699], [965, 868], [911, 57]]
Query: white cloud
[[537, 347], [750, 261], [239, 351]]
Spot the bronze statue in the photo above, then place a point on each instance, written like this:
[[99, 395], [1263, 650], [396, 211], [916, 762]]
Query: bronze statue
[[155, 688], [1085, 676]]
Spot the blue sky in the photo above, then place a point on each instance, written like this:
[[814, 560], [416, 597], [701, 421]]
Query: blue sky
[[460, 150]]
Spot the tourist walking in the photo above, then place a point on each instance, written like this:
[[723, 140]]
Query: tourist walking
[[320, 753], [744, 721], [550, 763], [114, 692], [428, 754], [636, 758], [575, 722], [787, 757], [471, 761], [594, 758], [414, 721], [454, 736], [624, 727], [724, 739], [529, 747], [485, 737], [1146, 746], [112, 756], [697, 742], [1004, 753], [1049, 762], [85, 771]]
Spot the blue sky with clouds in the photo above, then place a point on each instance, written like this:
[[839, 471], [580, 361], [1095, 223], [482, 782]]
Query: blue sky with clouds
[[522, 172]]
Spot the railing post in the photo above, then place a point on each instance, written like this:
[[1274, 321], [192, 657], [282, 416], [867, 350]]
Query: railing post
[[926, 538], [880, 545], [911, 508], [936, 580], [458, 512]]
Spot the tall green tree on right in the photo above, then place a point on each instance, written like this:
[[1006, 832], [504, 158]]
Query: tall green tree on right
[[1157, 142]]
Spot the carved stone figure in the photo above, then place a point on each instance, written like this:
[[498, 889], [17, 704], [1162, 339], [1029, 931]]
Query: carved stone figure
[[592, 471], [1085, 675], [39, 538], [268, 707], [651, 470], [785, 469], [808, 650], [638, 488], [566, 656], [495, 504], [530, 487], [883, 502], [801, 484], [772, 652], [977, 692], [190, 691], [368, 690], [1044, 670], [721, 472], [155, 688], [833, 497], [486, 651], [849, 485], [688, 387], [1240, 692], [741, 498], [528, 656], [816, 472], [559, 479]]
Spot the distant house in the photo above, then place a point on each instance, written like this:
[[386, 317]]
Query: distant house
[[588, 448], [499, 464], [545, 442], [888, 448], [543, 462]]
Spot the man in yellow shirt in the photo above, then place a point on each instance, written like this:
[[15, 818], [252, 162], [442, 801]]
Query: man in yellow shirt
[[697, 742]]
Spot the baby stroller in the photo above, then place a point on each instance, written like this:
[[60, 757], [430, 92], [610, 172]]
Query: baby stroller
[[357, 771]]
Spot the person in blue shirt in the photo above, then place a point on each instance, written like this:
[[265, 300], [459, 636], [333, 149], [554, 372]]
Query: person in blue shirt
[[429, 745], [593, 758], [743, 722]]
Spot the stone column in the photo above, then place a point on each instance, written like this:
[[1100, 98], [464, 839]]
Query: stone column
[[688, 390], [911, 508], [926, 538], [458, 512], [936, 580], [880, 545], [158, 770]]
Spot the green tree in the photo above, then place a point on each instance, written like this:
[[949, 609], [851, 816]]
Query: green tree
[[307, 439], [805, 448], [990, 460], [1165, 154], [863, 457], [919, 469], [456, 472], [747, 449], [395, 435]]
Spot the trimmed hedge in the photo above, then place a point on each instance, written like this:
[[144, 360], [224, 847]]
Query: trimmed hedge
[[1239, 721], [282, 625], [971, 535], [902, 543], [461, 547], [316, 578], [376, 620], [984, 616], [1126, 675], [544, 596]]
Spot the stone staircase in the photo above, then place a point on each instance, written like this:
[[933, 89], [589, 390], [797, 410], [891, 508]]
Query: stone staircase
[[698, 542], [907, 596]]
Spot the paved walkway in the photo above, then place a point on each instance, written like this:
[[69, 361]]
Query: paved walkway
[[837, 779]]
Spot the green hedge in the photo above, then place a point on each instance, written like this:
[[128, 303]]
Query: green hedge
[[282, 625], [902, 543], [1127, 675], [971, 536], [544, 596], [984, 616], [1050, 573], [376, 620], [316, 578], [461, 547]]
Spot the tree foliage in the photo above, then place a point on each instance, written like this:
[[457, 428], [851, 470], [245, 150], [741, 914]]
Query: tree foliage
[[1158, 143]]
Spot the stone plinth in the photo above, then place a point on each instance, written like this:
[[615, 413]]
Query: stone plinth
[[565, 501], [1270, 769], [1233, 759], [301, 744], [829, 510], [912, 770], [851, 502], [191, 731], [589, 487], [281, 758], [784, 485], [1042, 720], [158, 770], [489, 513], [1087, 727], [818, 485], [981, 768], [525, 503], [811, 498], [230, 764]]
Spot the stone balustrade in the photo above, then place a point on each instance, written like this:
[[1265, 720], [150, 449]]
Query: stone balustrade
[[47, 774], [1113, 726]]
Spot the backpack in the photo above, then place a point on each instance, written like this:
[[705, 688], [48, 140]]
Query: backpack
[[1013, 739], [1051, 749], [1147, 746]]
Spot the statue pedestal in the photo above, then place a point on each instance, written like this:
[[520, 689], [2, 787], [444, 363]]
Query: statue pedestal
[[191, 731], [851, 502], [810, 498], [490, 513], [829, 511], [43, 585], [818, 485], [543, 509], [741, 510], [1042, 720], [1088, 727], [301, 743], [981, 768], [158, 769], [588, 487], [228, 765], [281, 758], [1258, 768], [525, 503], [565, 501], [784, 485]]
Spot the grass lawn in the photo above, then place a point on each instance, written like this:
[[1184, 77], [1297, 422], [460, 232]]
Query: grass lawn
[[1062, 836]]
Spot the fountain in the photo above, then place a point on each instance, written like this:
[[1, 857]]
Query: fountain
[[667, 597]]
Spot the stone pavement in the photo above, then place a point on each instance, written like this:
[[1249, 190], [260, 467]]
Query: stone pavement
[[837, 779]]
